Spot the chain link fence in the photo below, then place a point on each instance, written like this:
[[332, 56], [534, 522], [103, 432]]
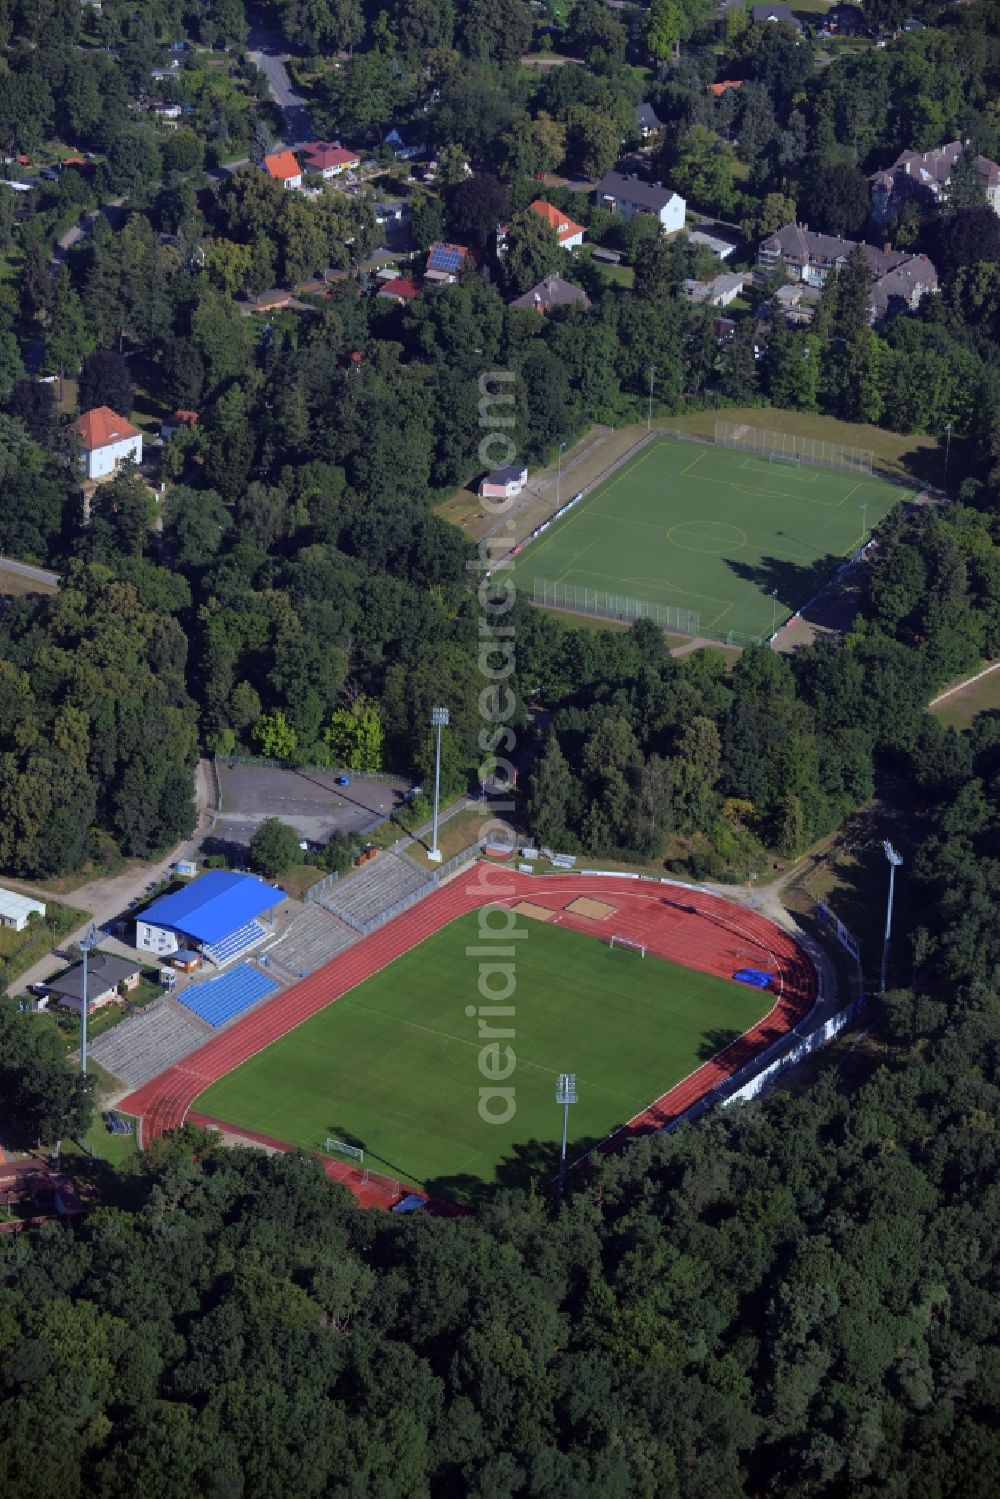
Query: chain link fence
[[602, 605], [787, 446]]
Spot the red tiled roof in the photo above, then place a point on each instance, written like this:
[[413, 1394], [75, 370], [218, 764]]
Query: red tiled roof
[[102, 426], [282, 165], [184, 418], [718, 89], [321, 155], [401, 286], [560, 222]]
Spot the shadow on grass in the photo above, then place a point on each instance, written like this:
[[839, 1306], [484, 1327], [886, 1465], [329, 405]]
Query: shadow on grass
[[715, 1041]]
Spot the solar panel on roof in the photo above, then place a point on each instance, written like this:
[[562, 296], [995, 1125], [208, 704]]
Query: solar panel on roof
[[446, 260]]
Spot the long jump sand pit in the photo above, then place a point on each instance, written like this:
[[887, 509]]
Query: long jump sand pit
[[596, 910], [537, 913]]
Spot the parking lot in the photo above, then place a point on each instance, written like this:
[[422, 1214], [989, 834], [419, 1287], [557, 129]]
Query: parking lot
[[310, 801]]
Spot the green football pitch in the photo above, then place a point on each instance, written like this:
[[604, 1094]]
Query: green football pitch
[[736, 539], [394, 1065]]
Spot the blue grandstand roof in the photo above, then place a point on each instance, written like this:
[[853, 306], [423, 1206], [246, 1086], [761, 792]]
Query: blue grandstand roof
[[213, 906]]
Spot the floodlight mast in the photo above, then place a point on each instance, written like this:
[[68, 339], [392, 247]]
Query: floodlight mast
[[86, 944], [439, 721], [895, 860], [565, 1095]]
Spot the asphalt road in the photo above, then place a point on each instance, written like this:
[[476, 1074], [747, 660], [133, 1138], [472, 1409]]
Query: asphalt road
[[267, 49], [26, 570]]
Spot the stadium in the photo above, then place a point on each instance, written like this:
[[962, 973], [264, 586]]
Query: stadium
[[383, 1054]]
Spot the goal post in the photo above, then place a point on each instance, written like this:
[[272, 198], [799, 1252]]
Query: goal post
[[343, 1147], [628, 944]]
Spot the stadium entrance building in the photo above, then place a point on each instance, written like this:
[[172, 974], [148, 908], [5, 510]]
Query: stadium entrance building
[[217, 916]]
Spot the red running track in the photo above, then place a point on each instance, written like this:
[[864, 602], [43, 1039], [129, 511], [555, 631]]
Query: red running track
[[687, 926]]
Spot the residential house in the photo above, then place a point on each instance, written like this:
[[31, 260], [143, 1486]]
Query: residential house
[[627, 195], [444, 262], [717, 90], [104, 975], [178, 420], [504, 483], [845, 20], [923, 177], [329, 160], [281, 166], [550, 293], [400, 289], [760, 15], [16, 908], [720, 249], [405, 145], [900, 279], [719, 292], [797, 303], [646, 120], [569, 234], [108, 440]]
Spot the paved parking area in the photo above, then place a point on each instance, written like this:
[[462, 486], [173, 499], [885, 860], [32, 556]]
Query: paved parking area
[[310, 801]]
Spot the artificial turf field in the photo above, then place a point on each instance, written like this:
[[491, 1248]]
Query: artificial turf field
[[712, 530], [393, 1064]]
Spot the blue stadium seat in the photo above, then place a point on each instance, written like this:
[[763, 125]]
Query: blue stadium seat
[[221, 999], [234, 944]]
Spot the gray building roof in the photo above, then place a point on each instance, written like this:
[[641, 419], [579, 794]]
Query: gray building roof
[[552, 292], [646, 117], [630, 189], [104, 972]]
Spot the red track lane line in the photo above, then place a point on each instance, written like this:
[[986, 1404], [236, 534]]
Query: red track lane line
[[690, 927]]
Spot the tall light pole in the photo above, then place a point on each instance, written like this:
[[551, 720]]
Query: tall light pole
[[774, 610], [559, 474], [947, 450], [439, 721], [565, 1094], [894, 862], [649, 408], [86, 943], [864, 521]]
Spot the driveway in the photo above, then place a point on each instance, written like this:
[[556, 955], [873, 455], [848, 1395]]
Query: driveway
[[25, 570]]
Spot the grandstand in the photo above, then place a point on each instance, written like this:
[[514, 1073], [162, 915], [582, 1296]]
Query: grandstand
[[311, 938], [374, 890], [149, 1042], [217, 915], [225, 997]]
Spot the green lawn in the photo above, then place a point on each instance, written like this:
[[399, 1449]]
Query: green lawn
[[709, 535], [960, 709], [394, 1064]]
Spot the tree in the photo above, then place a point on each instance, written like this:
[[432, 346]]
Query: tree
[[495, 30], [704, 169], [42, 1093], [476, 206], [664, 29], [531, 251], [551, 796], [593, 140], [355, 735], [837, 201], [274, 848], [105, 381], [275, 737]]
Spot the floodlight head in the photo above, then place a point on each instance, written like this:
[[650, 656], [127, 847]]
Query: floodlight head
[[566, 1087], [891, 854], [86, 943], [439, 718]]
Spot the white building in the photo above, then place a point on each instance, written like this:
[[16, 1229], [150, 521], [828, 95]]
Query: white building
[[628, 195], [504, 483], [108, 440], [15, 909]]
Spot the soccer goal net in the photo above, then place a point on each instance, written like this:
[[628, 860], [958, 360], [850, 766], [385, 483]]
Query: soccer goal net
[[342, 1147], [629, 944], [785, 460]]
